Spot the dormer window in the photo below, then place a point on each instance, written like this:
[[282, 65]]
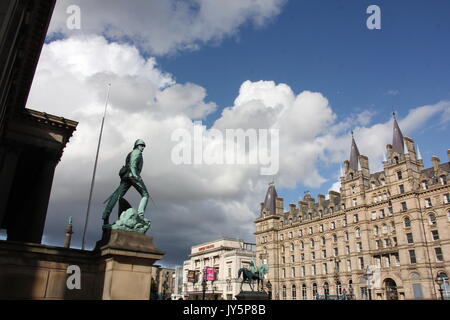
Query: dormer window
[[443, 180], [424, 185], [351, 175], [446, 198], [373, 185], [353, 189], [396, 160], [383, 182]]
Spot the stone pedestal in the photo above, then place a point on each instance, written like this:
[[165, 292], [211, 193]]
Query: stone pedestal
[[126, 260], [252, 295]]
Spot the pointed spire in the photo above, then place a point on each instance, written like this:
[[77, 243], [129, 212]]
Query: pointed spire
[[419, 155], [271, 197], [354, 155], [397, 140]]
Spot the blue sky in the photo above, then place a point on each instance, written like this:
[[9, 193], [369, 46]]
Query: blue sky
[[325, 46], [161, 84]]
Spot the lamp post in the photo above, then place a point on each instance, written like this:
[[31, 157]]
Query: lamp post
[[269, 289], [325, 290], [204, 284], [368, 276], [336, 274], [440, 281]]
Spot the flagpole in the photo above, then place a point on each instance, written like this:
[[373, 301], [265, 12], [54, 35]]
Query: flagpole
[[95, 169]]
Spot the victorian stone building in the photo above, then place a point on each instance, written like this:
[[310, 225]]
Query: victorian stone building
[[226, 256], [386, 235]]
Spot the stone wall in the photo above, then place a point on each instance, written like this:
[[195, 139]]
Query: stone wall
[[118, 269]]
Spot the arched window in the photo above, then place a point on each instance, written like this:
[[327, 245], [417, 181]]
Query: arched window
[[445, 285], [314, 290], [346, 236], [265, 250], [294, 292], [304, 292], [407, 222], [326, 288], [302, 245], [358, 233], [284, 292], [338, 288], [385, 228], [282, 249], [432, 219], [323, 241], [333, 225], [334, 238], [292, 247], [290, 235], [312, 243], [375, 230]]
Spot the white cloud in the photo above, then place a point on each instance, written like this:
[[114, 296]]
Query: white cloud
[[165, 26], [194, 203]]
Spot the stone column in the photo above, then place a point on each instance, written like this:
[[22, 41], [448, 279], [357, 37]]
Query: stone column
[[41, 198], [8, 164]]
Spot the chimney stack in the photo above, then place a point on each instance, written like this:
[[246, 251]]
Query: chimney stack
[[291, 208], [364, 163], [389, 151], [436, 162]]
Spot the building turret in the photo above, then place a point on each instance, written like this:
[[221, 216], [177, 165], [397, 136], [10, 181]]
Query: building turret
[[354, 155], [397, 139], [270, 201]]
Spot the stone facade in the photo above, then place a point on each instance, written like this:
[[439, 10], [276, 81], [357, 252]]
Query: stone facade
[[396, 221], [227, 256]]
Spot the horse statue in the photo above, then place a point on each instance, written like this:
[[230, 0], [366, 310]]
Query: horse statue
[[252, 274]]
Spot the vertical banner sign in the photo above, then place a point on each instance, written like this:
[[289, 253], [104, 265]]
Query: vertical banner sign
[[191, 276], [210, 274]]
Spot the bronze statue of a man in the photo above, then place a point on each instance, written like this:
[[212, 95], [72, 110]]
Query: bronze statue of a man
[[129, 176]]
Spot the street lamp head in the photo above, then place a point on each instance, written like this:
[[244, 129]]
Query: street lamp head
[[439, 280]]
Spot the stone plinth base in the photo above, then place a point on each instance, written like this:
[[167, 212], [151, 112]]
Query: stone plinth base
[[127, 260], [252, 295]]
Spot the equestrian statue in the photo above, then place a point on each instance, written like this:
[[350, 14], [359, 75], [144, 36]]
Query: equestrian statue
[[252, 274]]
